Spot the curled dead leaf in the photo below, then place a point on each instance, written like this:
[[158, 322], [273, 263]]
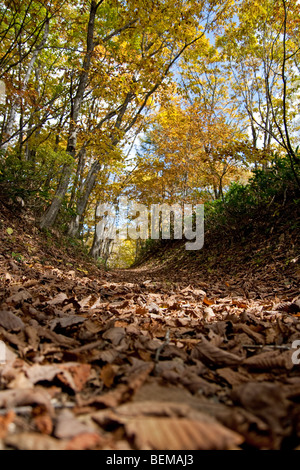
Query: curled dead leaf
[[207, 301], [212, 355], [270, 360]]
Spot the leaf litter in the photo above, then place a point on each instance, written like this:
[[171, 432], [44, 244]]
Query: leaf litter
[[130, 359]]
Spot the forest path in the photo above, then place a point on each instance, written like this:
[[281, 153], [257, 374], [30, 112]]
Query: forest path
[[146, 358]]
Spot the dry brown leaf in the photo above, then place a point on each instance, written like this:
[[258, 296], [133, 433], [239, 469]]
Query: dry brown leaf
[[74, 375], [85, 441], [253, 428], [110, 399], [268, 402], [33, 441], [115, 335], [270, 360], [5, 421], [87, 301], [108, 374], [180, 434], [239, 304], [109, 355], [257, 337], [66, 321], [208, 313], [139, 375], [141, 310], [20, 397], [19, 297], [211, 354], [145, 355], [8, 277], [207, 301], [68, 426], [42, 420], [57, 338], [233, 377], [59, 299], [39, 373], [9, 321], [32, 337]]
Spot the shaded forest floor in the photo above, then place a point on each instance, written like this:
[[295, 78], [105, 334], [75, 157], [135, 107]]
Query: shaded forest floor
[[186, 351]]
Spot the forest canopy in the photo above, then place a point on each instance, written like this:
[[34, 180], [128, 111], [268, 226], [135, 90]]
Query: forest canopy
[[161, 101]]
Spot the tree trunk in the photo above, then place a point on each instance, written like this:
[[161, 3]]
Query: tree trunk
[[84, 197], [50, 215], [13, 111], [49, 218]]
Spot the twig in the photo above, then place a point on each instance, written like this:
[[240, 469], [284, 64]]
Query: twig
[[260, 346], [165, 343], [28, 409]]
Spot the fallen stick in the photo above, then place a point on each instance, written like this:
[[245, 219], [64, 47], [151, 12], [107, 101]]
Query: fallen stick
[[165, 343]]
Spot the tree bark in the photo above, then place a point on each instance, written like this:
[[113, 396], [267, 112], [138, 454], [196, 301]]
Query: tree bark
[[51, 214], [49, 218], [14, 107], [83, 199]]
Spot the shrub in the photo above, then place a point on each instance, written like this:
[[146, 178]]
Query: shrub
[[242, 204]]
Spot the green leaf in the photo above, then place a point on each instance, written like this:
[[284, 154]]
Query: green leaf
[[10, 231]]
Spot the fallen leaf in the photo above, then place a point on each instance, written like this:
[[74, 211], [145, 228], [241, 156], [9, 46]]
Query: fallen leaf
[[9, 321], [110, 399], [211, 354], [180, 434], [141, 310], [208, 313], [5, 421], [41, 373], [59, 299], [268, 402], [107, 374], [33, 441], [270, 360], [115, 335], [85, 441], [68, 426], [42, 420], [66, 321], [21, 397], [56, 338], [19, 297], [74, 375], [207, 301]]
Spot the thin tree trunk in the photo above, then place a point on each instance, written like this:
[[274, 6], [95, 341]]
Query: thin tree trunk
[[52, 211], [84, 197], [49, 218], [13, 112]]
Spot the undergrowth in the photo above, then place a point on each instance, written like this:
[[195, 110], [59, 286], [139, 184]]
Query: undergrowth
[[269, 203]]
